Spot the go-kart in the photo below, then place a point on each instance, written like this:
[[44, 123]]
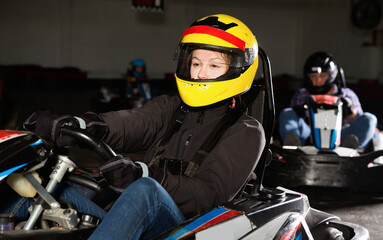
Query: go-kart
[[256, 213], [24, 157], [324, 162]]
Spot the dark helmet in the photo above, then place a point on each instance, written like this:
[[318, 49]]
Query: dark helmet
[[316, 63]]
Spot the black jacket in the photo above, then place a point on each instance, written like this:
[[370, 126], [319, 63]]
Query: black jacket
[[224, 170]]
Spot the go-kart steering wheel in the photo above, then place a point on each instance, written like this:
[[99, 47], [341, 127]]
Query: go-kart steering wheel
[[85, 138]]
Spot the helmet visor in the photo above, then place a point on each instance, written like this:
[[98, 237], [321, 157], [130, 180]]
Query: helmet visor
[[237, 60]]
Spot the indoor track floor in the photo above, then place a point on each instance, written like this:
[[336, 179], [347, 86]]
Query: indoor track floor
[[358, 208]]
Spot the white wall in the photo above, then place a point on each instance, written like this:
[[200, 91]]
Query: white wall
[[102, 36]]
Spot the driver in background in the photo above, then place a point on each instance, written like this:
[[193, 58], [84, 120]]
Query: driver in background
[[320, 72], [138, 86], [180, 176]]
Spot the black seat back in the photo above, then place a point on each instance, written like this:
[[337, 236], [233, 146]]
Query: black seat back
[[261, 106], [256, 107]]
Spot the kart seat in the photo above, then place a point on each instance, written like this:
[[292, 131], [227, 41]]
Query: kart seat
[[261, 106], [256, 107]]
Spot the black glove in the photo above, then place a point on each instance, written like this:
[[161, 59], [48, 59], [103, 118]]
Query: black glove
[[348, 106], [48, 126], [94, 125], [121, 171]]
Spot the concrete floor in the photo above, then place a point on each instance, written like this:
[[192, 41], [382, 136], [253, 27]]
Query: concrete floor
[[368, 215], [359, 208]]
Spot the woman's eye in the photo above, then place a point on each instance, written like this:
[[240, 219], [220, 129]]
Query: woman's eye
[[216, 65], [195, 64]]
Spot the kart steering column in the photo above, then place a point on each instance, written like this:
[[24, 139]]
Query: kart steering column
[[63, 165]]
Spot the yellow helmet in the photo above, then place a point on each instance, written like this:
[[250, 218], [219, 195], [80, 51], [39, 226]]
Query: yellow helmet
[[225, 34]]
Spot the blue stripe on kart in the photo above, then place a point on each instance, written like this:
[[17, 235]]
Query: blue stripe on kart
[[197, 223], [316, 132], [317, 138], [299, 237], [37, 142], [9, 171], [333, 139]]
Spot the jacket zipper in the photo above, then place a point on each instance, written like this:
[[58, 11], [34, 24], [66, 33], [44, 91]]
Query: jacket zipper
[[185, 146]]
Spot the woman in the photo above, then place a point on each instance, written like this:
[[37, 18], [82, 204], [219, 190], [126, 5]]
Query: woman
[[200, 146]]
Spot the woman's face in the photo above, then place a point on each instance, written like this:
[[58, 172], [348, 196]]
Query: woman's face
[[206, 64]]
